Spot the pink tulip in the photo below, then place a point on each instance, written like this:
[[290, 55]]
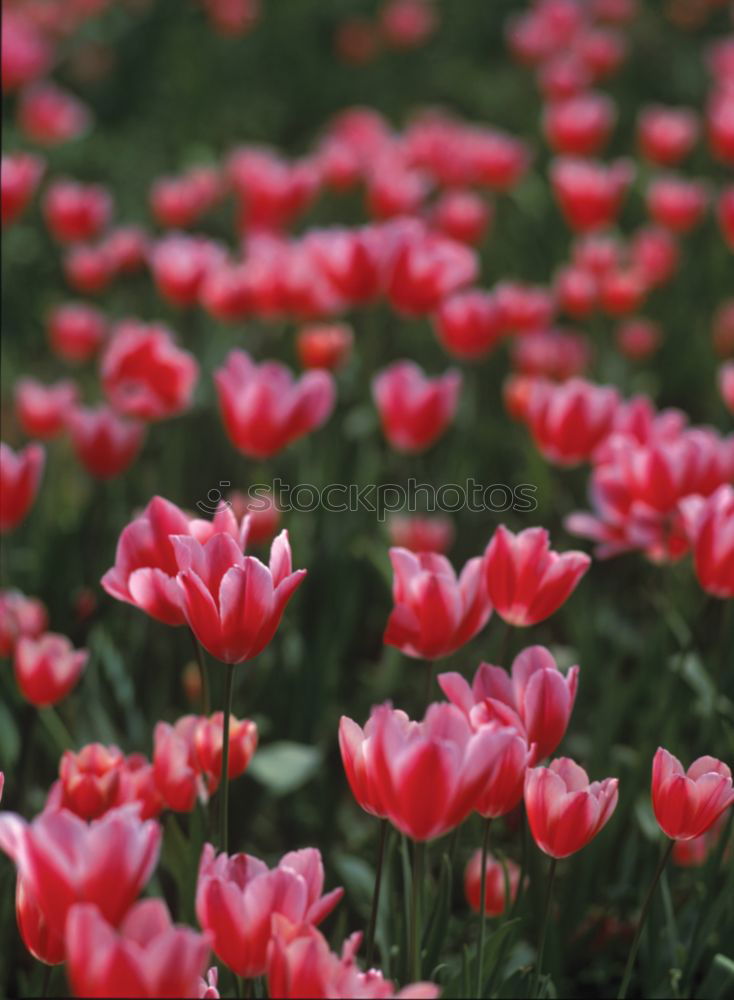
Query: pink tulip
[[64, 860], [237, 897], [688, 803], [20, 476], [42, 409], [415, 409], [20, 615], [147, 956], [435, 613], [564, 810], [104, 443], [526, 580], [496, 892], [537, 699], [47, 668], [709, 526], [265, 409]]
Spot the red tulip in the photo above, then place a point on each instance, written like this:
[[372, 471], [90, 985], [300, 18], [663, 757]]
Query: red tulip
[[126, 249], [569, 421], [144, 373], [89, 779], [233, 603], [576, 291], [597, 253], [622, 292], [41, 409], [497, 891], [469, 324], [695, 852], [654, 254], [175, 768], [76, 331], [688, 803], [177, 202], [137, 784], [47, 668], [263, 512], [41, 941], [76, 212], [425, 269], [720, 126], [463, 215], [563, 76], [444, 753], [20, 476], [20, 615], [300, 964], [20, 174], [272, 191], [148, 956], [208, 744], [394, 189], [265, 409], [556, 354], [406, 24], [421, 534], [602, 52], [709, 525], [357, 747], [537, 699], [414, 408], [676, 202], [435, 613], [638, 338], [51, 116], [104, 443], [351, 260], [237, 897], [26, 53], [580, 125], [327, 346], [88, 269], [666, 135], [590, 193], [564, 810], [523, 308], [180, 265], [62, 860], [725, 215]]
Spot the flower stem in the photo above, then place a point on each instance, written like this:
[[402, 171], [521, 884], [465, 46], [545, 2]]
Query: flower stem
[[544, 926], [224, 791], [429, 681], [483, 906], [376, 893], [643, 917], [199, 654], [419, 855]]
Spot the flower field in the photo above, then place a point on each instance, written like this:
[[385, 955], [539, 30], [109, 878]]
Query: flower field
[[367, 499]]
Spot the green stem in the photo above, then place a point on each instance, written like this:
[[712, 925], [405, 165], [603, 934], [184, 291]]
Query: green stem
[[46, 980], [384, 830], [224, 792], [544, 926], [429, 681], [419, 856], [643, 917], [206, 706], [483, 906]]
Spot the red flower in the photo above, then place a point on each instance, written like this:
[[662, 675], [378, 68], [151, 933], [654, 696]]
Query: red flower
[[63, 860], [233, 603], [237, 897], [327, 346], [421, 534], [469, 324], [688, 803], [20, 174], [414, 408], [76, 212], [104, 443], [208, 744], [47, 668], [463, 215], [76, 331], [497, 892], [180, 265], [88, 269], [176, 773], [580, 125], [590, 193], [42, 942], [709, 526], [20, 476], [51, 116], [725, 215], [20, 615], [425, 269], [667, 135], [537, 699], [569, 421], [89, 779], [676, 202], [265, 409], [300, 964], [145, 374], [42, 410], [435, 613], [148, 956], [564, 810]]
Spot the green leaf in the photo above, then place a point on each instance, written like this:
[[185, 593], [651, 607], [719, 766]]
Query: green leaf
[[358, 878], [283, 767], [434, 935], [719, 981]]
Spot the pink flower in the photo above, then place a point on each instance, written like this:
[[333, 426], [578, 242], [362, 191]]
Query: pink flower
[[237, 897], [47, 668], [75, 212], [42, 409], [435, 613], [496, 892], [415, 409], [20, 615], [265, 409], [233, 603], [147, 956], [564, 810], [104, 443], [20, 174], [688, 803], [20, 476], [537, 699], [526, 580], [709, 526]]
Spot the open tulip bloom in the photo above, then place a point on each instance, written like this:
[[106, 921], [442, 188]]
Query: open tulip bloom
[[688, 803]]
